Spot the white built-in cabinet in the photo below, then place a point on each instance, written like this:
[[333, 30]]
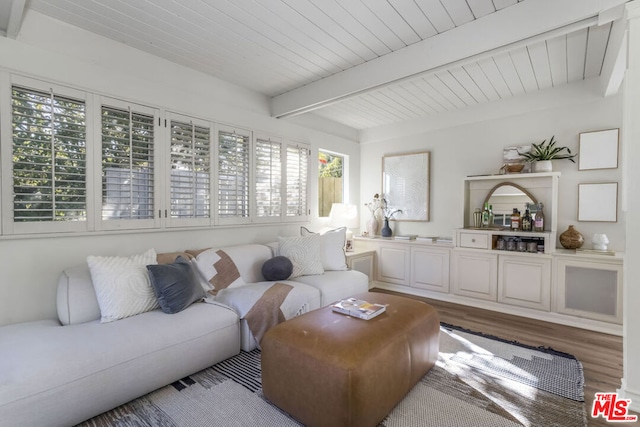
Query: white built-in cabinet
[[430, 268], [589, 286], [395, 268], [475, 274], [413, 264], [550, 284], [525, 281]]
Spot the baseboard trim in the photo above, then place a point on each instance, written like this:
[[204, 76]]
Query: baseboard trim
[[634, 395]]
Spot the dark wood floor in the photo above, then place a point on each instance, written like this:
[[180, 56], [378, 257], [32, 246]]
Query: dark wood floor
[[600, 354]]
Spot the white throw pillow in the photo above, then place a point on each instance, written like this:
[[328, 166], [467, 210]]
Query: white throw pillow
[[332, 248], [304, 253], [122, 285]]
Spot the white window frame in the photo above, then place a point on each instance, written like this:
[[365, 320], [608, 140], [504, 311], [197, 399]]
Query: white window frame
[[189, 222], [345, 180], [274, 140], [158, 203], [304, 217], [9, 226], [236, 220]]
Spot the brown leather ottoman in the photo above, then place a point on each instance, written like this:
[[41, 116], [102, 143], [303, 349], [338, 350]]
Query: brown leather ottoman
[[329, 369]]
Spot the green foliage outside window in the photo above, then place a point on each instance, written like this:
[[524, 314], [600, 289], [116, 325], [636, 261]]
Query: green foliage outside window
[[329, 166]]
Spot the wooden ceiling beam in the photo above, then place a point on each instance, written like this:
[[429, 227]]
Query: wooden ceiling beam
[[511, 25], [15, 18]]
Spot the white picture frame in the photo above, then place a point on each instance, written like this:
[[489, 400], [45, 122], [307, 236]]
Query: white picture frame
[[598, 202], [405, 185], [599, 149]]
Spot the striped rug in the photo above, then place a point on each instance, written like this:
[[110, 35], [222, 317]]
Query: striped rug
[[478, 381]]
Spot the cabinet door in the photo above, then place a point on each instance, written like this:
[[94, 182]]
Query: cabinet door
[[475, 274], [393, 264], [525, 281], [589, 289], [430, 269]]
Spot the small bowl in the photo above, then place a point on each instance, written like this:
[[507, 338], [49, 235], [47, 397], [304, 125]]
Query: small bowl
[[514, 167]]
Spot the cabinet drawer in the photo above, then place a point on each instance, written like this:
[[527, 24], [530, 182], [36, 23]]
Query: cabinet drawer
[[473, 240]]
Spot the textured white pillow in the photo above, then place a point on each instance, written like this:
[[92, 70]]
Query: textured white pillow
[[304, 253], [332, 248], [122, 285]]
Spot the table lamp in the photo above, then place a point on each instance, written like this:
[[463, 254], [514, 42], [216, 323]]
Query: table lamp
[[345, 215]]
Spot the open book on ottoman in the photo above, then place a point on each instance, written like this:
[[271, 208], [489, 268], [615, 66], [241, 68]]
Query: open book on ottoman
[[358, 308]]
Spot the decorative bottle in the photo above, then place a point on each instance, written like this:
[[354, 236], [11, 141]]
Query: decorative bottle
[[491, 217], [538, 222], [525, 221], [485, 216], [515, 220]]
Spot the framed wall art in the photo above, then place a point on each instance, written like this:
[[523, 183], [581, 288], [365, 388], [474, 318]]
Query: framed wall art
[[598, 202], [599, 149], [405, 185]]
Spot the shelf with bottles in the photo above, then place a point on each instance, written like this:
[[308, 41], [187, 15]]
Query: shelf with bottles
[[505, 192]]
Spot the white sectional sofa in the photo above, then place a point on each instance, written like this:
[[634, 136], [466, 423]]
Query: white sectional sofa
[[60, 373]]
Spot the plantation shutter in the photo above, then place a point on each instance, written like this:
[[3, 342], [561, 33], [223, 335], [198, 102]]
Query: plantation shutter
[[190, 182], [127, 165], [49, 161], [297, 181], [268, 179], [233, 175]]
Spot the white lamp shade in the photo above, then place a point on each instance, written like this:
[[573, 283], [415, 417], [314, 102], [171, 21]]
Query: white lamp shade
[[344, 215]]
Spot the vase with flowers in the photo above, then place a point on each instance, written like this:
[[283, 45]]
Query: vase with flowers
[[373, 224], [388, 213]]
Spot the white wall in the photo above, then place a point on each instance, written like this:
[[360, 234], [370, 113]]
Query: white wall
[[631, 331], [466, 147], [53, 51]]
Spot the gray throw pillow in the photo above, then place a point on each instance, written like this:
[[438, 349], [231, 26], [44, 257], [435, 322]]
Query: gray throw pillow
[[277, 268], [176, 285]]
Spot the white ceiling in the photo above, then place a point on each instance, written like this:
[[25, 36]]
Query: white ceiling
[[363, 63]]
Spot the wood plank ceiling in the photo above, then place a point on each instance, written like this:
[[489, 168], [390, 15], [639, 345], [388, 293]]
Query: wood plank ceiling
[[278, 47]]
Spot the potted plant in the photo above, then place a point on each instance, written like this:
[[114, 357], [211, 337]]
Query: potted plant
[[543, 153]]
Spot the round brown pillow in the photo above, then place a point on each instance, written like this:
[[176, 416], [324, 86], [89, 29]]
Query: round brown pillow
[[277, 268]]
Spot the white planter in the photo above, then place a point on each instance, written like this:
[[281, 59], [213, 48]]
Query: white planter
[[543, 166]]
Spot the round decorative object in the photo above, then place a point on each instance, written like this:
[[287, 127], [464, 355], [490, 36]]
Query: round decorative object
[[543, 166], [571, 238], [386, 230], [277, 268]]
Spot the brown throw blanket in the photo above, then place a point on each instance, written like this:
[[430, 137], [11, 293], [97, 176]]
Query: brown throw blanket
[[266, 313]]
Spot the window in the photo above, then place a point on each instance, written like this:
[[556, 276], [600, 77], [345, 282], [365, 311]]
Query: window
[[330, 181], [268, 178], [74, 161], [297, 178], [190, 164], [49, 160], [233, 175], [128, 165]]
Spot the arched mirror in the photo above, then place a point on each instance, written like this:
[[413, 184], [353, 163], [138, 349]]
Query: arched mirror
[[506, 196]]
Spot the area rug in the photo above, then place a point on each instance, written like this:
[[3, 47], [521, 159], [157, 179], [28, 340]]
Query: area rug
[[477, 381]]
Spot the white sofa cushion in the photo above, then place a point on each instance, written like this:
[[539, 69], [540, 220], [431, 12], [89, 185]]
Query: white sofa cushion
[[122, 285], [336, 285]]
